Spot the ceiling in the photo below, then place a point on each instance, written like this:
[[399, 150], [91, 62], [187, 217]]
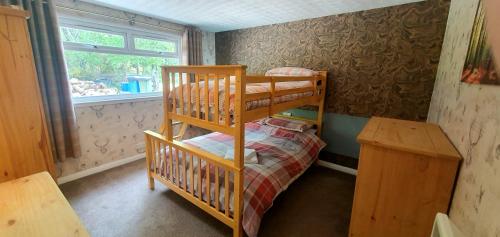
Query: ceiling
[[223, 15]]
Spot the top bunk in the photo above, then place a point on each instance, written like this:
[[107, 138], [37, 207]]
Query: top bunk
[[233, 98]]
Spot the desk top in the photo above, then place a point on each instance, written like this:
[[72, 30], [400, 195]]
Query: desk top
[[34, 206], [417, 137]]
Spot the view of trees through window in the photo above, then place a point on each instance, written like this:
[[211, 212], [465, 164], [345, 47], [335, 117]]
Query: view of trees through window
[[95, 72], [154, 45], [92, 38]]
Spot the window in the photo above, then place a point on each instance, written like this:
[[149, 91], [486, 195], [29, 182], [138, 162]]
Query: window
[[107, 63]]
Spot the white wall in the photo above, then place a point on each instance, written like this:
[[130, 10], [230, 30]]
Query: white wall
[[470, 116]]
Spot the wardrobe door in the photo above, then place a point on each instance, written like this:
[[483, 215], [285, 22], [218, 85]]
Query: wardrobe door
[[24, 141]]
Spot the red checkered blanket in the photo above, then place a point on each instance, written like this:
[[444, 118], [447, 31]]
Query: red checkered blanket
[[283, 155]]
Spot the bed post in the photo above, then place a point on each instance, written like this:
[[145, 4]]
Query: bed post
[[239, 147], [321, 106], [151, 181], [167, 122], [165, 127]]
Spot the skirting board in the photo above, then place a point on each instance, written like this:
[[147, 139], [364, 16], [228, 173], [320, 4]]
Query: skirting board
[[99, 169], [340, 168], [110, 165]]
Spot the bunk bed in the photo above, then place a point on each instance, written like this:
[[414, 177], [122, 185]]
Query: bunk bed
[[226, 101]]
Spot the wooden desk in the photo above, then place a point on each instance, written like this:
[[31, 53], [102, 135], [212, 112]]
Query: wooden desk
[[34, 206]]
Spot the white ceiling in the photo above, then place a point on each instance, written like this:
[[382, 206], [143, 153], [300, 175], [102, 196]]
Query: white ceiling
[[223, 15]]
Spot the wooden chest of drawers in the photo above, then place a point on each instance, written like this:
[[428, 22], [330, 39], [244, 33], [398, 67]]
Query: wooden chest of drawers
[[405, 176]]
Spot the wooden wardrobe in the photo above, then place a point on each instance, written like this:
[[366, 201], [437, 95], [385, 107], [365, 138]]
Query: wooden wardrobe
[[24, 142]]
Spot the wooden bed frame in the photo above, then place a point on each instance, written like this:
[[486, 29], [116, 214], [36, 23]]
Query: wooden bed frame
[[165, 140]]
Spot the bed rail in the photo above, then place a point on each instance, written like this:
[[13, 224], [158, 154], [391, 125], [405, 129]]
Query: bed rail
[[186, 100], [201, 109], [317, 97], [186, 170], [177, 80]]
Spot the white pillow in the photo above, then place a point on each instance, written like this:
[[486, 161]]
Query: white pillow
[[288, 124]]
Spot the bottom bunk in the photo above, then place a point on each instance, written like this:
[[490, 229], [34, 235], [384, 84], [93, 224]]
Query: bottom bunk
[[275, 157]]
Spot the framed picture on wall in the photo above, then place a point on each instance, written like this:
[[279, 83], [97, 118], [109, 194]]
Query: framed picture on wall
[[479, 66]]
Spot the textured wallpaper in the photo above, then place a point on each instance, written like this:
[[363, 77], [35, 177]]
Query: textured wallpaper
[[110, 132], [381, 62], [470, 116]]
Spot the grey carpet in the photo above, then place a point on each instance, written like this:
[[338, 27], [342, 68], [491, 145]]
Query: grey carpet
[[117, 202]]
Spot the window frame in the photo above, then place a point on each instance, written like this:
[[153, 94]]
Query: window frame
[[136, 36], [129, 34]]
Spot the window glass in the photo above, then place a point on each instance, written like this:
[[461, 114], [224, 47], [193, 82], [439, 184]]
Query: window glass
[[98, 74], [116, 68], [154, 45], [94, 38]]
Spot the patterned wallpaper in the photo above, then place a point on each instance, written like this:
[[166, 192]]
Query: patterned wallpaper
[[113, 131], [110, 132], [470, 116], [381, 62]]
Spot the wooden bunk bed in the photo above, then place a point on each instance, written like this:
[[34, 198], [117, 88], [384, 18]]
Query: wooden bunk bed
[[229, 105]]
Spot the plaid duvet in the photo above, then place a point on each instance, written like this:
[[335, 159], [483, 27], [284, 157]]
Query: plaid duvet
[[283, 156]]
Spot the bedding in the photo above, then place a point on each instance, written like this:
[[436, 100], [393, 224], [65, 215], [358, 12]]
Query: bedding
[[250, 156], [250, 89], [283, 155], [288, 124], [291, 71]]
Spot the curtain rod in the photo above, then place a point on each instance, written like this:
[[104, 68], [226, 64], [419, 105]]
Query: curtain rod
[[129, 21]]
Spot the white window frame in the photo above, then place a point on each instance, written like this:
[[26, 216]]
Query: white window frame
[[129, 34]]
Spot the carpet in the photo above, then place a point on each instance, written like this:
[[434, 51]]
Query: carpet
[[117, 202]]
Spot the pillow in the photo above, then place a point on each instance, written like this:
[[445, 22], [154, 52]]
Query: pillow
[[288, 124], [311, 130], [291, 71]]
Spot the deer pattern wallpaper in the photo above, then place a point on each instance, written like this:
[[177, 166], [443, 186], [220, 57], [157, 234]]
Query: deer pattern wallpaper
[[114, 131], [110, 132], [380, 62], [469, 114]]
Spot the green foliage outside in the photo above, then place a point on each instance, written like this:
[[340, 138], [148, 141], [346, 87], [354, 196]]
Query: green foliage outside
[[112, 69], [92, 37], [109, 68], [154, 45]]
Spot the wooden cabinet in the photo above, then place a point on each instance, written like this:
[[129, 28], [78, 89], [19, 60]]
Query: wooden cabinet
[[24, 141], [405, 176]]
